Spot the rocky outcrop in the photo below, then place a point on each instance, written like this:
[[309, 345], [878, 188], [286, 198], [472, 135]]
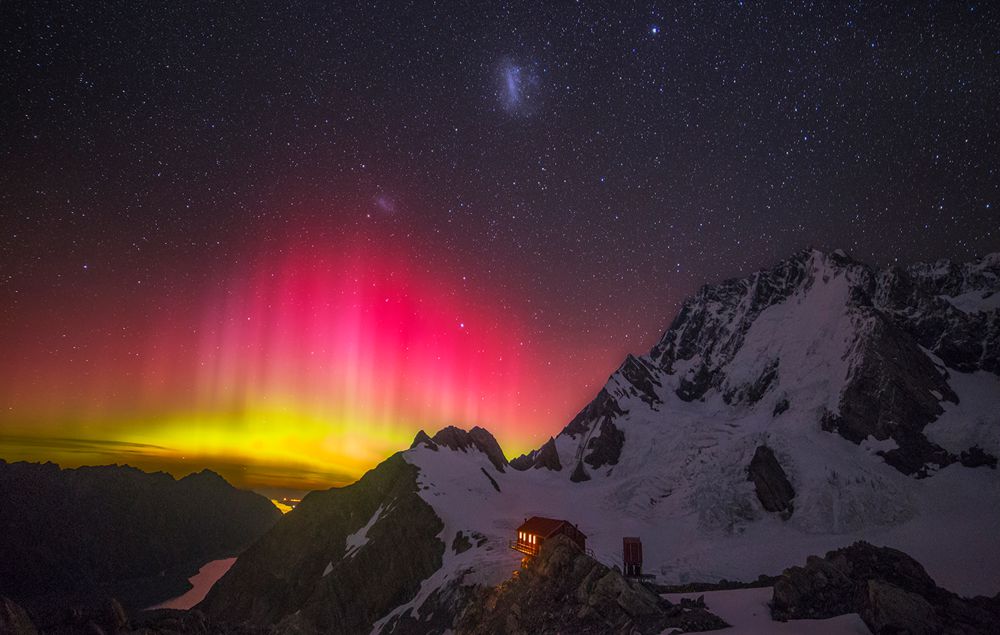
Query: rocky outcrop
[[604, 407], [642, 379], [601, 440], [891, 394], [301, 576], [546, 457], [424, 440], [606, 447], [890, 590], [712, 324], [477, 438], [565, 591], [579, 474], [14, 619], [888, 386], [118, 531], [935, 304], [774, 490], [977, 457], [752, 393], [488, 445]]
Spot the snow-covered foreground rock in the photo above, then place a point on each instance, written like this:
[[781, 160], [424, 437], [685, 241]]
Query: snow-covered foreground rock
[[747, 612], [870, 399]]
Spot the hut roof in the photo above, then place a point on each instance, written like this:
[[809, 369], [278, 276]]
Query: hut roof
[[544, 527]]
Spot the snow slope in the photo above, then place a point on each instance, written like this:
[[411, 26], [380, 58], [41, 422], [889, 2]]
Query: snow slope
[[768, 360], [747, 612]]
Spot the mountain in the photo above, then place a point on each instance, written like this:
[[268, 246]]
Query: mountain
[[70, 535], [788, 413]]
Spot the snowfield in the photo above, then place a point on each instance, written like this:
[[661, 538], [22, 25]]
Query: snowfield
[[747, 612], [680, 482]]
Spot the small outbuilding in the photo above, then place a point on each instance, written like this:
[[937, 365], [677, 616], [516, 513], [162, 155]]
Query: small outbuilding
[[537, 529], [632, 557]]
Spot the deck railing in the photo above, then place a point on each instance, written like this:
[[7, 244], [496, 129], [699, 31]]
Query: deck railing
[[523, 547], [532, 550]]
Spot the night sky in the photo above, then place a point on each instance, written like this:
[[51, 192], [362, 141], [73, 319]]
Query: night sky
[[278, 240]]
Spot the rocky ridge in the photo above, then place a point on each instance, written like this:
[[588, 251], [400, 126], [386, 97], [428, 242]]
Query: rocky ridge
[[766, 425], [565, 591], [889, 589], [336, 562], [907, 328], [94, 531]]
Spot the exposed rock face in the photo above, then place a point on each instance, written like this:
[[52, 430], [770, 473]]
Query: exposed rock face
[[478, 438], [976, 457], [884, 383], [565, 591], [603, 408], [774, 490], [14, 619], [118, 530], [303, 576], [890, 590], [642, 379], [579, 474], [712, 325], [544, 457], [932, 303], [548, 456], [890, 609], [492, 480], [891, 395], [485, 441], [423, 439], [606, 447], [525, 461]]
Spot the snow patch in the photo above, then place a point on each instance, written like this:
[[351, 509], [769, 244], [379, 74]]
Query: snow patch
[[747, 611], [359, 539], [871, 445], [974, 420], [976, 301]]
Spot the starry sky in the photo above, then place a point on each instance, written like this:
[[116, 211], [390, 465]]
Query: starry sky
[[276, 239]]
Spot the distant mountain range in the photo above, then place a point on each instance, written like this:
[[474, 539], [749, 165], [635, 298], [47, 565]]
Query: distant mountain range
[[74, 535], [780, 415]]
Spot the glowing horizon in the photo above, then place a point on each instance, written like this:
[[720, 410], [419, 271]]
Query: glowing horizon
[[314, 363]]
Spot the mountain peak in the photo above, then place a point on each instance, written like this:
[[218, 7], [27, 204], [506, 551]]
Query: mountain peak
[[456, 438], [423, 439], [812, 332]]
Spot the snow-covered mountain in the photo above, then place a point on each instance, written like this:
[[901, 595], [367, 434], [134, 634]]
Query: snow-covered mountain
[[780, 415]]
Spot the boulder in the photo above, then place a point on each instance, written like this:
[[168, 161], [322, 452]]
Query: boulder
[[890, 609], [889, 590], [774, 490]]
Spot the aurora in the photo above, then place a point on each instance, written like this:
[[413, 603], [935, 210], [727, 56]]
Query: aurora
[[303, 370]]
